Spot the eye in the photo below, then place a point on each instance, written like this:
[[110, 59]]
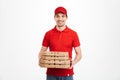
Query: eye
[[57, 16], [63, 16]]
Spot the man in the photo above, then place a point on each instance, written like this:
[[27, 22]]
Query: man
[[61, 38]]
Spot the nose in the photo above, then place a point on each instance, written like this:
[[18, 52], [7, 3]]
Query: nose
[[60, 18]]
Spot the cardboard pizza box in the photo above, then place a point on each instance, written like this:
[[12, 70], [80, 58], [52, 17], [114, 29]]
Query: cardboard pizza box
[[51, 59]]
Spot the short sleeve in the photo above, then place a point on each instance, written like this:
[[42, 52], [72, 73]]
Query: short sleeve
[[45, 40], [76, 41]]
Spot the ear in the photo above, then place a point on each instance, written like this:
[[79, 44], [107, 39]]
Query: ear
[[66, 17], [54, 18]]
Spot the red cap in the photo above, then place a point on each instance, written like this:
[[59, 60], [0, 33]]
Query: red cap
[[60, 10]]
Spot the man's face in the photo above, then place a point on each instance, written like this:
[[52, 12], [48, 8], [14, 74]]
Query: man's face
[[60, 19]]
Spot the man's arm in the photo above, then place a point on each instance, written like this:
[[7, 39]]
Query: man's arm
[[78, 56], [43, 48]]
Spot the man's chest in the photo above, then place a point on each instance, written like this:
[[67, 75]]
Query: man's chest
[[61, 40]]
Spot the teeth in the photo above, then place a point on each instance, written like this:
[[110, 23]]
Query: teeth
[[59, 21]]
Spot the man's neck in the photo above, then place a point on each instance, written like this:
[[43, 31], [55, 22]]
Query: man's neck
[[60, 28]]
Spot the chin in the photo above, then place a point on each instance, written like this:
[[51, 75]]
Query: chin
[[60, 26]]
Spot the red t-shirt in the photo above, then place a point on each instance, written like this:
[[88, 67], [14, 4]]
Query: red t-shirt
[[61, 41]]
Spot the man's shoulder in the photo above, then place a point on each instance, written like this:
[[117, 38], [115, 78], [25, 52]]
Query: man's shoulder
[[71, 30], [50, 31]]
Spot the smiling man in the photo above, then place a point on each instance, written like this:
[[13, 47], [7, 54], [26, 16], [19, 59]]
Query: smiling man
[[61, 38]]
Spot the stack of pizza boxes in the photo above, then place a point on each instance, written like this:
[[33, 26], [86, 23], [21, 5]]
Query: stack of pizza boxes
[[51, 59]]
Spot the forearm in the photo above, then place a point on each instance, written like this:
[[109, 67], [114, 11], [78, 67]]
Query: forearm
[[41, 51], [77, 58]]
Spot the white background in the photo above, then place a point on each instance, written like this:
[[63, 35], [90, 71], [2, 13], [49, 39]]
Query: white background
[[23, 24]]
